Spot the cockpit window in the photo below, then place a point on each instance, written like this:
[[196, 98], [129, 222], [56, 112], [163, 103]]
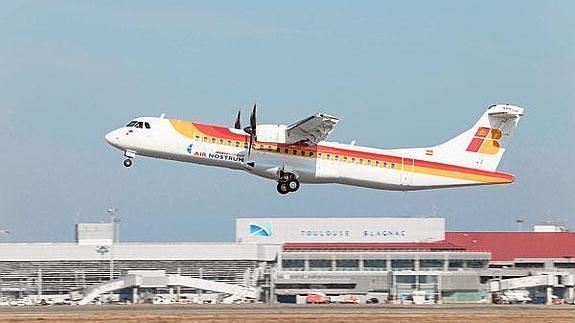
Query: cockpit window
[[147, 125], [140, 125], [132, 123]]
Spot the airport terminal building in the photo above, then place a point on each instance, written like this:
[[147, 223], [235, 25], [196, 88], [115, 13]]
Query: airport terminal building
[[286, 257]]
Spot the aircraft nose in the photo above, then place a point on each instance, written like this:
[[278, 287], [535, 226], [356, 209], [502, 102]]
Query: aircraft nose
[[112, 138]]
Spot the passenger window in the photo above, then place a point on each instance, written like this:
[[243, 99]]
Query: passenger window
[[269, 148], [353, 160], [237, 143], [385, 164], [344, 158], [205, 139], [327, 156], [229, 142], [278, 149], [197, 137], [303, 153], [311, 153], [221, 141], [286, 151], [213, 140], [245, 145], [147, 125], [294, 151], [361, 161], [377, 163], [369, 161], [336, 157], [319, 155], [392, 165]]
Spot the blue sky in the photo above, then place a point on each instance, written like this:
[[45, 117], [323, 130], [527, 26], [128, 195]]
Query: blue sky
[[399, 74]]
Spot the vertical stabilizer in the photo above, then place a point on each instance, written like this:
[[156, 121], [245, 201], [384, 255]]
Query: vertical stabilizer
[[484, 144]]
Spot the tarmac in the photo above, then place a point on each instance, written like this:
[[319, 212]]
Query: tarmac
[[319, 313]]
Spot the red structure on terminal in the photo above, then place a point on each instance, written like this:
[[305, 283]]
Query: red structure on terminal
[[504, 246]]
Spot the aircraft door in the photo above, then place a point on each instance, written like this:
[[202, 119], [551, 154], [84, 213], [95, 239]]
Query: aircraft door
[[407, 165]]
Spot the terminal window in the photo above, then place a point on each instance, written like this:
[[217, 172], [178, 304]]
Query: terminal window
[[566, 265], [405, 279], [428, 279], [455, 264], [347, 264], [319, 264], [315, 286], [402, 264], [431, 264], [375, 264], [293, 264], [476, 263]]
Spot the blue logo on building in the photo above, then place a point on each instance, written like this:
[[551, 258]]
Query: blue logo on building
[[260, 230], [190, 148]]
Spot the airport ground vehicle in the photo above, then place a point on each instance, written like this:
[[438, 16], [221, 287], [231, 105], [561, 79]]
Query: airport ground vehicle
[[317, 298]]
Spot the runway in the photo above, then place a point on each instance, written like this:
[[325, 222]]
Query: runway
[[289, 313]]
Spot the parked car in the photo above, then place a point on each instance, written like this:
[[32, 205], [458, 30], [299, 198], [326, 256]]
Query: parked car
[[162, 300], [317, 298]]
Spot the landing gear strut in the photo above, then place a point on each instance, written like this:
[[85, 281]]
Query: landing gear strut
[[287, 183], [127, 162]]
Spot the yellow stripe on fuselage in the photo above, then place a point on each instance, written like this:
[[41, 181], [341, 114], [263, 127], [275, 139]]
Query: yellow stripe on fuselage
[[185, 128]]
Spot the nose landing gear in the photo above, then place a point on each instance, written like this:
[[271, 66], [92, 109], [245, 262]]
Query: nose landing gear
[[129, 155]]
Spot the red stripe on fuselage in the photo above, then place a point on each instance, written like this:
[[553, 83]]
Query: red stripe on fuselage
[[225, 133], [219, 132]]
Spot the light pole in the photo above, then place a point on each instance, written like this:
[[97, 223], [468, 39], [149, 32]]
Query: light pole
[[520, 224], [114, 220], [2, 232]]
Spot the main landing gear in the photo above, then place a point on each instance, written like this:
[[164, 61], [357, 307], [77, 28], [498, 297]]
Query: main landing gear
[[288, 183]]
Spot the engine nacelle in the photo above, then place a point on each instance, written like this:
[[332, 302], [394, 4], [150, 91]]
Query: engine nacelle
[[271, 133]]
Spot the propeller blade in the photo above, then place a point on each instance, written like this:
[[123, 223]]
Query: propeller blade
[[252, 129], [253, 119], [238, 124], [250, 145]]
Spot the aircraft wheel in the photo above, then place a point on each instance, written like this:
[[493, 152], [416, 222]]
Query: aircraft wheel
[[293, 185], [127, 162], [283, 188]]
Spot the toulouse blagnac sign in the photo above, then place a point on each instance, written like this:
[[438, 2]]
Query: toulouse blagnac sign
[[282, 230]]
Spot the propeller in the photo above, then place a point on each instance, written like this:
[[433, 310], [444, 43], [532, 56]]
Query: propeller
[[251, 129], [238, 124]]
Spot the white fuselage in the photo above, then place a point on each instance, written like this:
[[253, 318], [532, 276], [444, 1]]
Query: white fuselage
[[326, 162]]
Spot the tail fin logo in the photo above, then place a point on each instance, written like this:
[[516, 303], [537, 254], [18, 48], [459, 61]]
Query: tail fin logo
[[485, 141]]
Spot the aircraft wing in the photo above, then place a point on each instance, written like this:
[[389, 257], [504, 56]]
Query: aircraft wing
[[312, 129]]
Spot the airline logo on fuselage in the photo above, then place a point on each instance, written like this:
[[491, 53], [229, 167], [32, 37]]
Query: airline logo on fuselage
[[226, 156], [218, 155]]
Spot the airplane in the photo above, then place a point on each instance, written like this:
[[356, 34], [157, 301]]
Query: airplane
[[298, 153]]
